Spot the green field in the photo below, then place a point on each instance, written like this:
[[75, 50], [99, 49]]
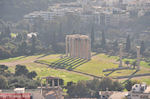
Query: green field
[[95, 67], [43, 70], [102, 61]]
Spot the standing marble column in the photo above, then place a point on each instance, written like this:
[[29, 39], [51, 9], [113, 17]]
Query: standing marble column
[[58, 82], [53, 83], [70, 47], [89, 49], [73, 47], [138, 57], [67, 46], [76, 47], [86, 48], [120, 55], [80, 48]]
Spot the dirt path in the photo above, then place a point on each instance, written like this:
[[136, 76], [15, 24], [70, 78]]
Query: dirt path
[[29, 59], [16, 62]]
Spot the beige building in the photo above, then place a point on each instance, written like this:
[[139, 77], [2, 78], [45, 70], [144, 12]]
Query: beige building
[[78, 46]]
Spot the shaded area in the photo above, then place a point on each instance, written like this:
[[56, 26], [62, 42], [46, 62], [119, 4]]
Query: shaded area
[[131, 76], [109, 73], [115, 69], [68, 63]]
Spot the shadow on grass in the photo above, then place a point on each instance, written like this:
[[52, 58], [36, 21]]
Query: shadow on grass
[[130, 77], [43, 56], [68, 63], [109, 73]]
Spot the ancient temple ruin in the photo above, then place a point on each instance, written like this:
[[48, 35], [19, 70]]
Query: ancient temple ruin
[[78, 46]]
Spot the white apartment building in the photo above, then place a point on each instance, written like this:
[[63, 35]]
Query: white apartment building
[[140, 5]]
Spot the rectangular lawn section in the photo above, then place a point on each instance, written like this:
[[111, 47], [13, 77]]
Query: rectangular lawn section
[[43, 71], [97, 64]]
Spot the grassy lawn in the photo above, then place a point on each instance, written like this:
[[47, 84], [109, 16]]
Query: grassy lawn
[[143, 79], [11, 59], [101, 62], [94, 67], [13, 34], [49, 58], [98, 63], [43, 71], [48, 61]]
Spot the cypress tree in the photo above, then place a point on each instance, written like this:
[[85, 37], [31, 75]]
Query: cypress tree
[[34, 41], [8, 32], [142, 47], [92, 37], [128, 43], [103, 39]]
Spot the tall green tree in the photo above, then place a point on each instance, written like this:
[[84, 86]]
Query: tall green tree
[[128, 43], [3, 82], [34, 42], [3, 68], [78, 90], [4, 53], [142, 47], [127, 62], [7, 32], [103, 42], [115, 45], [117, 86], [93, 84], [130, 83], [92, 37], [21, 70], [61, 34], [32, 74], [134, 63], [22, 48], [106, 83]]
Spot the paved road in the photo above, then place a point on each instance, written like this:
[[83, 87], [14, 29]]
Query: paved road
[[118, 95]]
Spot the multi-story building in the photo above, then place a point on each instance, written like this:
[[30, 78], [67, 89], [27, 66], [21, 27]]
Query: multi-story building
[[87, 10]]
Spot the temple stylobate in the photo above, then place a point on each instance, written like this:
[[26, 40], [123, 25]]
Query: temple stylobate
[[78, 46]]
